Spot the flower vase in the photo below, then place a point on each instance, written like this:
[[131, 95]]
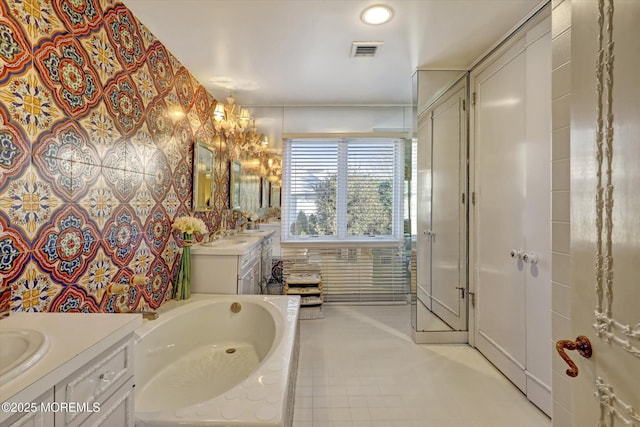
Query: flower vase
[[182, 289]]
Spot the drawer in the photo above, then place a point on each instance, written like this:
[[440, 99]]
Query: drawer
[[37, 418], [117, 410], [95, 381]]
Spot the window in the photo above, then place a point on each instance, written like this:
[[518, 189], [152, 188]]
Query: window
[[343, 189]]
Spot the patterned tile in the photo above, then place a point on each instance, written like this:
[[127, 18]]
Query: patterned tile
[[183, 135], [142, 202], [79, 16], [5, 298], [159, 179], [30, 104], [203, 108], [144, 83], [122, 183], [147, 37], [173, 153], [142, 259], [99, 273], [67, 70], [205, 134], [124, 35], [124, 104], [159, 122], [184, 89], [155, 290], [101, 128], [14, 251], [67, 244], [182, 183], [122, 156], [33, 290], [160, 67], [74, 299], [194, 120], [96, 138], [66, 158], [38, 18], [15, 150], [157, 230], [171, 253], [171, 203], [122, 235], [15, 50], [99, 203], [29, 203], [102, 56]]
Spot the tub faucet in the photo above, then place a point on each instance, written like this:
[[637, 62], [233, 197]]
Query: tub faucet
[[217, 234], [149, 315], [122, 300]]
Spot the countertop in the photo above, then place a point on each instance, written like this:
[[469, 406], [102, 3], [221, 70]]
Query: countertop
[[249, 238], [74, 339]]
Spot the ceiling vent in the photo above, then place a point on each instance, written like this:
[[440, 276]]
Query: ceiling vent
[[365, 49]]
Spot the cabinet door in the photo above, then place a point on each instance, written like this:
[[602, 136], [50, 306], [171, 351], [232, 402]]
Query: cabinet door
[[512, 131], [500, 207], [37, 418]]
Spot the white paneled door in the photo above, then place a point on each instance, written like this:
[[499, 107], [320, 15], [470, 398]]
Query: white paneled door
[[510, 238], [605, 211]]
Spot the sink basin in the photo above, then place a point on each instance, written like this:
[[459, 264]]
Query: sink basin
[[226, 242], [19, 350]]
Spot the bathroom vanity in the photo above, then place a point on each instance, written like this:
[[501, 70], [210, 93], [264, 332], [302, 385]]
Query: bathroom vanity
[[80, 375], [233, 265]]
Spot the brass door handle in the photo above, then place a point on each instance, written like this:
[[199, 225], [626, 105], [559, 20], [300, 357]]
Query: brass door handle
[[582, 344]]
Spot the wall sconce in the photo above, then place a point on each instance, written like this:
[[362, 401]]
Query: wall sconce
[[227, 119]]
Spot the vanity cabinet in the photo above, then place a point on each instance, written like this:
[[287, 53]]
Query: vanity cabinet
[[231, 270], [37, 418], [100, 382], [101, 392], [86, 376]]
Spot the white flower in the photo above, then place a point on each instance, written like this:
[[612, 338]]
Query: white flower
[[189, 225]]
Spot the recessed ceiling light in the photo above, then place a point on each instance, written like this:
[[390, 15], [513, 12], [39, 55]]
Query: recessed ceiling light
[[377, 14]]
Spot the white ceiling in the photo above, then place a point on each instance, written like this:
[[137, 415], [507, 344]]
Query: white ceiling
[[296, 52]]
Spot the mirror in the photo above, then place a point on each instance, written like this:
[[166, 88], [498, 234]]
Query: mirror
[[439, 302], [264, 192], [235, 180], [275, 196], [203, 177]]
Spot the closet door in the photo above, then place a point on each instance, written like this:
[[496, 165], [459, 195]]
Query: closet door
[[500, 152], [511, 237]]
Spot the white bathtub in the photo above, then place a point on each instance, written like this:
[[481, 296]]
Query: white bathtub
[[200, 364]]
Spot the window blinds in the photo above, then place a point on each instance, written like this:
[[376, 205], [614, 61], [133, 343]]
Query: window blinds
[[343, 216]]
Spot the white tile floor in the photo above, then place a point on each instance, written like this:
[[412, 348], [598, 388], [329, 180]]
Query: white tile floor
[[360, 367]]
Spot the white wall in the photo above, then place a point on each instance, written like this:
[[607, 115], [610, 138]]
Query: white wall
[[274, 121]]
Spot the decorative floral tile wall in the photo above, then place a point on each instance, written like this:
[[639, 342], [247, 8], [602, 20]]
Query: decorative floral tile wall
[[97, 125]]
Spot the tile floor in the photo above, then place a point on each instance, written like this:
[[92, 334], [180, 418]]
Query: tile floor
[[359, 367]]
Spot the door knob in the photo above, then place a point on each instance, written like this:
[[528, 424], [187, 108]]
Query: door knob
[[429, 233], [516, 253], [530, 257], [582, 344]]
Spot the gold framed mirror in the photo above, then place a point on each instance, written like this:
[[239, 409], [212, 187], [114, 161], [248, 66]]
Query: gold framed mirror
[[235, 181], [203, 177]]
